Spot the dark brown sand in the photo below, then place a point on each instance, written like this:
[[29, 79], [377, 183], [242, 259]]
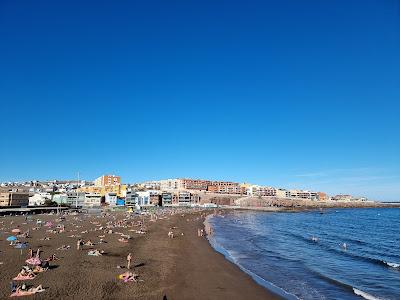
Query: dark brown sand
[[185, 267]]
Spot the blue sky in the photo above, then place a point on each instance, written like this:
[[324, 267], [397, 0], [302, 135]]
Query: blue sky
[[296, 94]]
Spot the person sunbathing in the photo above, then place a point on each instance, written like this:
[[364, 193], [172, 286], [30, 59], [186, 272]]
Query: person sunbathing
[[89, 243], [52, 258], [64, 247], [24, 275], [22, 291], [95, 252], [39, 269], [128, 276]]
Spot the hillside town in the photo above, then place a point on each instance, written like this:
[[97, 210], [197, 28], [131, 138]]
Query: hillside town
[[108, 190]]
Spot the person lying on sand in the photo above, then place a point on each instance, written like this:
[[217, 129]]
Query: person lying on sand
[[53, 257], [89, 243], [39, 269], [64, 247], [96, 252], [21, 291], [24, 275], [128, 276], [34, 261]]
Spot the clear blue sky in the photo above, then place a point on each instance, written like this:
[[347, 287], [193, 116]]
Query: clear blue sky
[[296, 94]]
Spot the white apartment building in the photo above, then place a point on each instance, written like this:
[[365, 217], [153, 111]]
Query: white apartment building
[[282, 193], [75, 199], [171, 184], [307, 195], [257, 190], [111, 199], [38, 199], [60, 198], [92, 200]]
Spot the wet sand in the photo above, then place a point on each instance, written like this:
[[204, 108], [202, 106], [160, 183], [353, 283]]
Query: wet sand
[[185, 267]]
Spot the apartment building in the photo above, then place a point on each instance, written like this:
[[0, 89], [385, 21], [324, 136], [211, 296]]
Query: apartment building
[[342, 198], [119, 189], [282, 193], [60, 198], [134, 198], [227, 188], [38, 199], [111, 199], [195, 184], [92, 200], [14, 199], [75, 199], [306, 195], [322, 196], [264, 191], [107, 180], [171, 184], [185, 198], [166, 199]]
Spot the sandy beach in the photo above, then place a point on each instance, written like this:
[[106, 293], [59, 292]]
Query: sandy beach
[[182, 267]]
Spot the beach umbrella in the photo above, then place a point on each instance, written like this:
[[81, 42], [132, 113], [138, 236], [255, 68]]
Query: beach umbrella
[[16, 230], [11, 238]]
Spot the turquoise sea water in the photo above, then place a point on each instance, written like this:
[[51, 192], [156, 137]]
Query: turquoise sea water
[[302, 255]]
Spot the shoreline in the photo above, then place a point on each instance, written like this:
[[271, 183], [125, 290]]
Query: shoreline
[[259, 280], [213, 276]]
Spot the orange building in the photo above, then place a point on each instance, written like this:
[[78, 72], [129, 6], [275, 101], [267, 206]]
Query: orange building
[[108, 180], [322, 196]]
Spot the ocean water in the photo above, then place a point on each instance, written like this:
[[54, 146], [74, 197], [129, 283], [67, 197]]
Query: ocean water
[[278, 250]]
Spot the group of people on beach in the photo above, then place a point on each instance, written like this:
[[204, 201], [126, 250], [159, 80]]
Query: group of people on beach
[[105, 224], [34, 265]]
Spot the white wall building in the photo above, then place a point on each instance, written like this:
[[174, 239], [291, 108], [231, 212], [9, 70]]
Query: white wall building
[[92, 200], [75, 199], [38, 199], [60, 198], [143, 198], [171, 184], [137, 198], [111, 199]]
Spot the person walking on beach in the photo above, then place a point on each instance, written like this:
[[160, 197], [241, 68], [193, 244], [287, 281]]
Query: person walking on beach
[[78, 244], [129, 259]]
